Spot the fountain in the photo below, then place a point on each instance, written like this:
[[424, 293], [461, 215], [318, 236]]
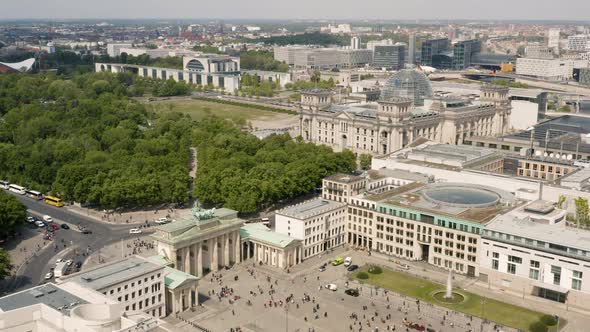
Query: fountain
[[449, 293], [449, 296]]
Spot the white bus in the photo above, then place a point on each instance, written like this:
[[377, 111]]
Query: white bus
[[17, 189], [34, 194], [4, 184]]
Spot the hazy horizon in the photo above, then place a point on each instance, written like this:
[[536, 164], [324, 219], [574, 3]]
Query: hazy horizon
[[539, 10]]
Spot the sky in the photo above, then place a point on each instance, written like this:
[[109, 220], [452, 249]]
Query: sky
[[299, 9]]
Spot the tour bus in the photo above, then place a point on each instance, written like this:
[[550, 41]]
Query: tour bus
[[54, 201], [34, 194], [4, 184], [17, 189]]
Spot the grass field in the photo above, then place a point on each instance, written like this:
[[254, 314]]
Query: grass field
[[503, 313], [199, 109]]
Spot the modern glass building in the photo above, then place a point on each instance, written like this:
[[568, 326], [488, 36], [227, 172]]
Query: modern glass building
[[463, 51], [432, 48], [389, 56]]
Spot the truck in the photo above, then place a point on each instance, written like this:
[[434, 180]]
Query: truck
[[60, 269]]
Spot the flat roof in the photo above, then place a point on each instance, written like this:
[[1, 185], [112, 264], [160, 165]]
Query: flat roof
[[261, 233], [414, 196], [114, 273], [462, 154], [344, 178], [49, 294], [310, 209], [556, 233], [397, 173]]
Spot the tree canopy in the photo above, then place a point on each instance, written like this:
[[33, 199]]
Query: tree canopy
[[241, 172], [314, 38], [262, 60], [85, 140], [12, 214]]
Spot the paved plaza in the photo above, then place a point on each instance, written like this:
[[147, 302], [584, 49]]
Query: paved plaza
[[259, 298]]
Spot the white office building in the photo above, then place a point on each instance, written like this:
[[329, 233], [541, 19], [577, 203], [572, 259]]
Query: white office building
[[319, 224], [553, 40], [355, 43], [136, 282], [219, 71], [549, 69], [532, 252], [71, 308], [322, 58], [578, 43], [114, 49]]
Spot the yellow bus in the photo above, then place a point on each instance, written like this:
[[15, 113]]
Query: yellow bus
[[54, 201]]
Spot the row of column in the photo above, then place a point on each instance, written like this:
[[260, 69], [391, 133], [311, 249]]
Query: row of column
[[191, 257], [263, 253], [183, 299]]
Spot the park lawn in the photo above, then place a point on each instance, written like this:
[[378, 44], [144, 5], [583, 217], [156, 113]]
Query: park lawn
[[499, 312], [198, 109]]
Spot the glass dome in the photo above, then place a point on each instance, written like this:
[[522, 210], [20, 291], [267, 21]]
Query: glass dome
[[408, 83]]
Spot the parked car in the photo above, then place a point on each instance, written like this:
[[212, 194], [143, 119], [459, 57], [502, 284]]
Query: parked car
[[69, 262], [338, 261], [352, 267], [352, 292], [162, 221], [49, 275], [347, 261], [322, 268], [332, 287], [135, 231], [47, 218], [86, 231], [31, 220], [39, 223], [78, 265], [52, 227], [65, 226]]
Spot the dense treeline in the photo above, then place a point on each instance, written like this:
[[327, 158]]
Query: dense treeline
[[251, 85], [262, 60], [244, 173], [315, 38], [85, 140]]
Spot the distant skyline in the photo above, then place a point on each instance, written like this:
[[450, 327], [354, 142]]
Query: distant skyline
[[299, 9]]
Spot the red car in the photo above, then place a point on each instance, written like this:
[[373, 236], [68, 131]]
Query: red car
[[53, 227]]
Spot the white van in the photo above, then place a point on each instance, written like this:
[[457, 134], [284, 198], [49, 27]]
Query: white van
[[347, 261], [47, 218]]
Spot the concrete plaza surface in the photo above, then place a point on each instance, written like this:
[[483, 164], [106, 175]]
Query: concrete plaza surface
[[376, 310]]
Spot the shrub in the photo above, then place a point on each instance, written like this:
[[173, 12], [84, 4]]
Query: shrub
[[548, 320], [362, 275], [538, 327], [375, 270]]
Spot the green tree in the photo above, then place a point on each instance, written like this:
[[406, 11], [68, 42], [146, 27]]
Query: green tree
[[365, 161], [581, 210], [12, 214], [5, 264]]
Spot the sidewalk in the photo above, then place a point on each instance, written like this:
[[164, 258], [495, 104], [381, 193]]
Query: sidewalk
[[132, 217]]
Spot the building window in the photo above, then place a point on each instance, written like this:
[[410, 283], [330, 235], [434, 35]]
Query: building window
[[495, 264], [556, 271], [534, 271], [511, 268], [577, 280]]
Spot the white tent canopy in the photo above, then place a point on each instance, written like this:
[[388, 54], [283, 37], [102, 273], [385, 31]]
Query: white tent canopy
[[22, 66]]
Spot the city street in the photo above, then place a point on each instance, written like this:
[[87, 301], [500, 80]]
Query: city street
[[66, 244]]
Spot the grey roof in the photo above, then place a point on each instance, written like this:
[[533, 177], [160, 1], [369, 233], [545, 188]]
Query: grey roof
[[117, 272], [48, 294], [344, 178], [398, 174], [556, 233], [261, 233], [310, 209], [451, 154]]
